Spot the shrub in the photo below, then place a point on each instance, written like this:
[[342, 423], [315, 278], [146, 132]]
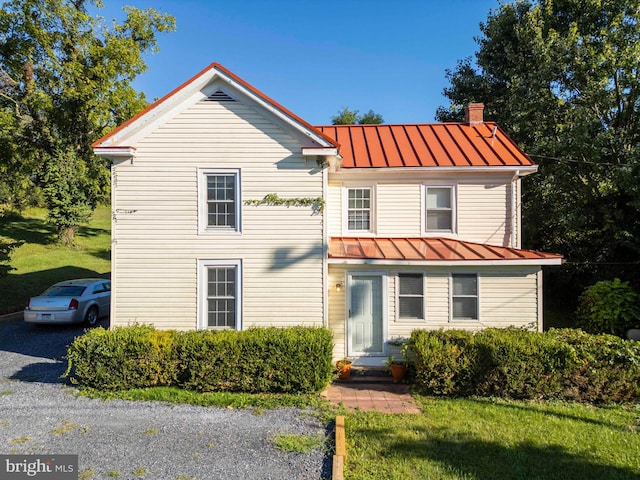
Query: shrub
[[512, 363], [519, 364], [131, 357], [608, 307], [607, 367], [443, 360], [287, 360]]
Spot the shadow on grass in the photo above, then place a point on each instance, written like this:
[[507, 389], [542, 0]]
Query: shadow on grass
[[15, 289], [546, 411], [470, 457], [85, 231], [29, 230], [103, 254]]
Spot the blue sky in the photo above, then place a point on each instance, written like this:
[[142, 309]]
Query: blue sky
[[316, 57]]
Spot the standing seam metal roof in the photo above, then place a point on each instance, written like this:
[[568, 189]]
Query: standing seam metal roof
[[427, 249], [425, 145]]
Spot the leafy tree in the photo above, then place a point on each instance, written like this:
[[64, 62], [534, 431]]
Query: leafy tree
[[563, 78], [609, 307], [370, 118], [65, 80], [351, 117]]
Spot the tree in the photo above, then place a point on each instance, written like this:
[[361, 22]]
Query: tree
[[563, 78], [351, 117], [65, 80]]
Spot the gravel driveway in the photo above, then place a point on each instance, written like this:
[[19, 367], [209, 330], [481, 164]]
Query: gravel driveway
[[136, 440]]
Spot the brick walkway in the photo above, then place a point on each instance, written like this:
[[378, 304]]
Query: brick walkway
[[370, 394]]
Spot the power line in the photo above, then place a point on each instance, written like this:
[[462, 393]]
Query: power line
[[584, 162]]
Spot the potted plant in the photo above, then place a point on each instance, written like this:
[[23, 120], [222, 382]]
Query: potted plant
[[398, 367], [343, 368]]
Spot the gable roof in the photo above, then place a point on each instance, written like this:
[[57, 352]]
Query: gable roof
[[482, 144], [432, 251], [116, 139]]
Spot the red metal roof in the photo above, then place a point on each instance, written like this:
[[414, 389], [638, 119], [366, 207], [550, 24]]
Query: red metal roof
[[426, 145], [430, 250]]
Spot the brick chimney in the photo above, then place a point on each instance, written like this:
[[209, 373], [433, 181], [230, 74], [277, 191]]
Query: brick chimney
[[473, 113]]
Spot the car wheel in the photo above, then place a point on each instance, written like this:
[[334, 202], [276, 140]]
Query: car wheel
[[91, 318]]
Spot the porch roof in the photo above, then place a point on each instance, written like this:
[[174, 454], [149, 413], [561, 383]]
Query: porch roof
[[431, 250]]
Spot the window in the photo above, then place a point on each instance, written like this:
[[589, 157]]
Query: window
[[411, 295], [464, 296], [220, 295], [359, 210], [439, 211], [220, 204]]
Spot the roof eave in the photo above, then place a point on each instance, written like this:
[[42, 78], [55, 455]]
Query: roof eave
[[115, 152], [446, 263]]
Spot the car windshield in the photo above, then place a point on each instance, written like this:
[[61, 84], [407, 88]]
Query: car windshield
[[64, 291]]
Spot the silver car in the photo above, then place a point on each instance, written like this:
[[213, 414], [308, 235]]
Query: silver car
[[73, 301]]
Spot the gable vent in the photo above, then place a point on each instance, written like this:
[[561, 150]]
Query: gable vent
[[218, 96]]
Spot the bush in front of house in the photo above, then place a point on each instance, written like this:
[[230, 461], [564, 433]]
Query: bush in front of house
[[609, 306], [274, 360], [279, 360], [607, 367], [131, 357], [519, 364], [444, 361]]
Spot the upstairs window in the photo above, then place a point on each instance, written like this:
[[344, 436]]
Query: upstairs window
[[464, 296], [411, 296], [439, 209], [359, 209], [220, 201]]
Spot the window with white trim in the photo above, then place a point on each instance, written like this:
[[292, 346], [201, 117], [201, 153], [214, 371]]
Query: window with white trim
[[439, 208], [220, 201], [360, 209], [220, 288], [410, 296], [464, 296]]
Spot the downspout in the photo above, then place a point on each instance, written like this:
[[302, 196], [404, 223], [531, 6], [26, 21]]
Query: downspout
[[114, 244], [325, 250], [514, 209]]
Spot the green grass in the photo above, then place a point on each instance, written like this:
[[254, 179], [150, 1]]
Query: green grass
[[292, 442], [477, 439], [215, 399], [42, 261]]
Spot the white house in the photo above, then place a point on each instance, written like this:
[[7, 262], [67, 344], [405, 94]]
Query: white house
[[229, 211]]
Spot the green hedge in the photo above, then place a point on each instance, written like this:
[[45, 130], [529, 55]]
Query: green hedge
[[276, 360], [519, 364]]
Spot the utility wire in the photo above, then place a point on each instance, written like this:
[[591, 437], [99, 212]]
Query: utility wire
[[585, 162]]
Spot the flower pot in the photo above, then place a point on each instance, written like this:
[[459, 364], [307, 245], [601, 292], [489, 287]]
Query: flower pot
[[344, 369], [398, 371]]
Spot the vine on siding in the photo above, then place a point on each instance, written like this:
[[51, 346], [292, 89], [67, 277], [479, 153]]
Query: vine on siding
[[272, 199]]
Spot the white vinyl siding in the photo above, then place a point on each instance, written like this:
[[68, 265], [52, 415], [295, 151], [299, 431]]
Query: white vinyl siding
[[157, 226], [482, 210], [510, 296]]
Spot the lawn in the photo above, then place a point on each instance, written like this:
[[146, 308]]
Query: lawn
[[480, 439], [41, 260]]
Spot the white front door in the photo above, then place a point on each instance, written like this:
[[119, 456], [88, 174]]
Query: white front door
[[365, 330]]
